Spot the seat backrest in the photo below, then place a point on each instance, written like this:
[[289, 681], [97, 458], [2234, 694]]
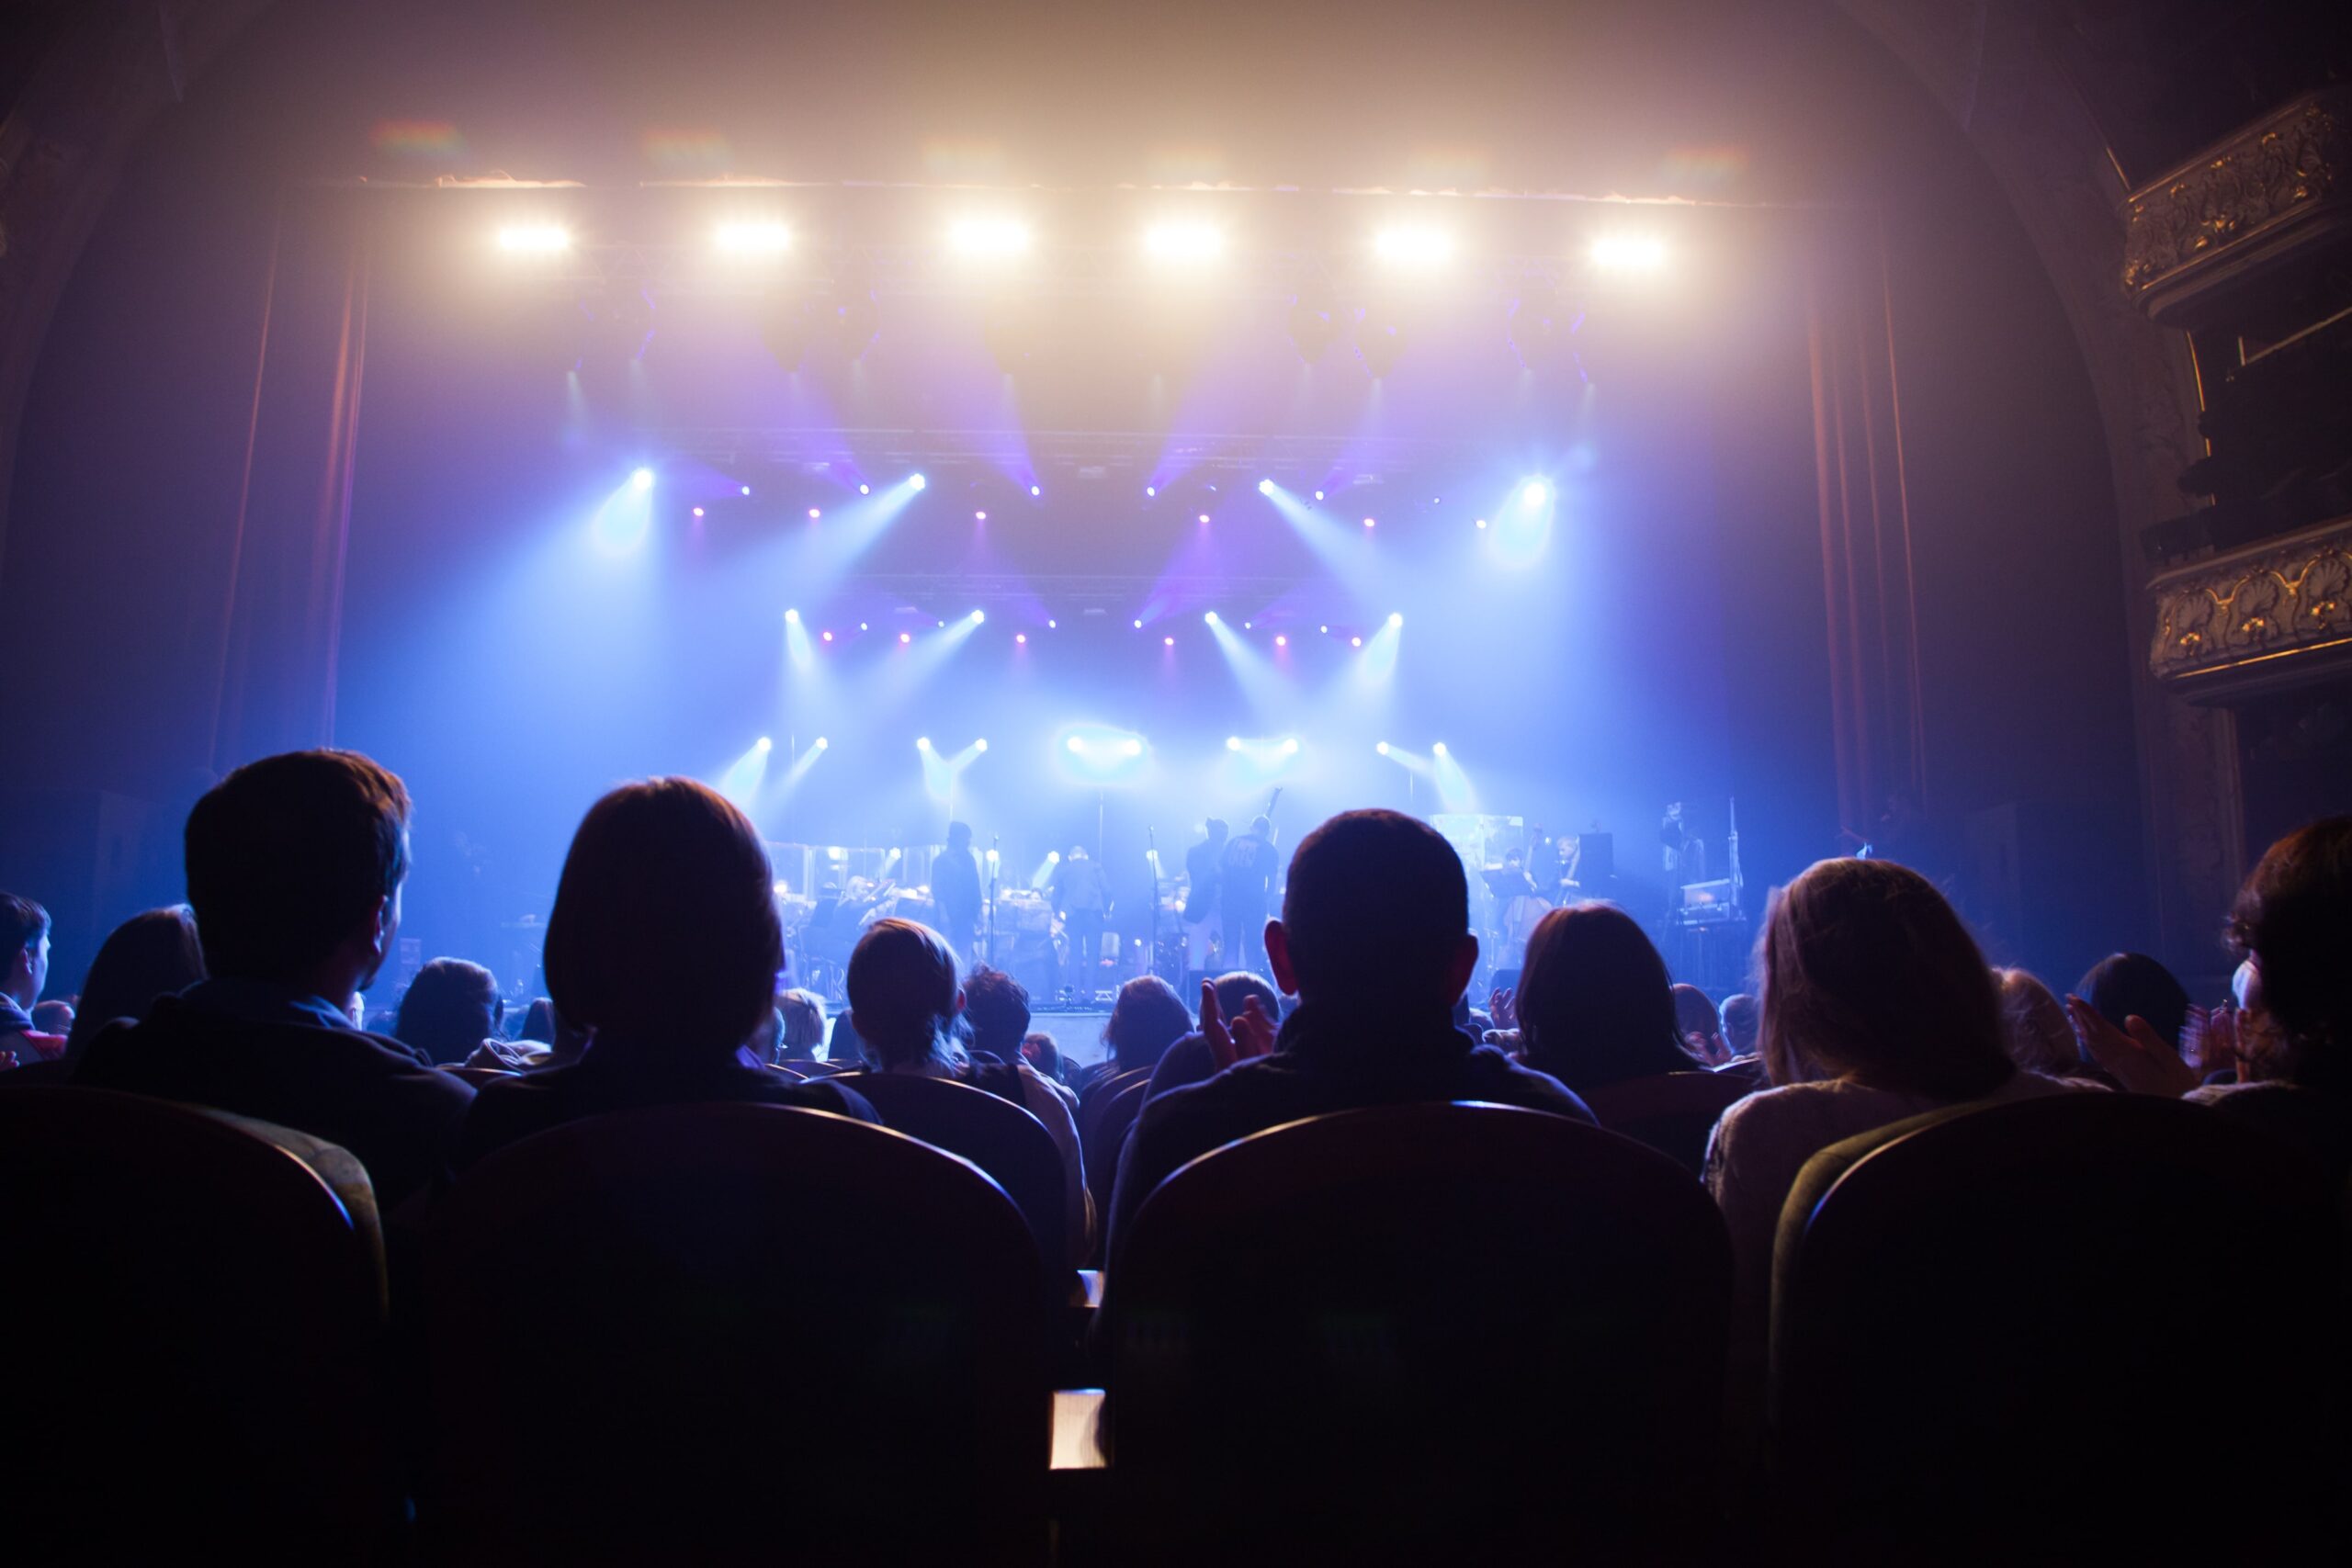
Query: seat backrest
[[480, 1075], [2011, 1314], [1003, 1139], [201, 1323], [1674, 1112], [1114, 1117], [605, 1303], [1500, 1300]]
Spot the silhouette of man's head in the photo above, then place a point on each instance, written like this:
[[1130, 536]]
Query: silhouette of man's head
[[1217, 831], [959, 835], [665, 930], [997, 1006], [294, 869], [1376, 915]]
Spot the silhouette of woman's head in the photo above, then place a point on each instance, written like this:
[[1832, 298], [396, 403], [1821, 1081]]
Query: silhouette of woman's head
[[665, 930], [902, 987], [1148, 1017], [2294, 921], [1595, 1006]]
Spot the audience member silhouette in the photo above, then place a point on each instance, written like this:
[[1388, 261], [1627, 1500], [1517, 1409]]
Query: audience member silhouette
[[1877, 1007], [153, 954], [1594, 1005], [2293, 922], [664, 944], [1701, 1030], [1374, 940], [1148, 1017], [803, 1025], [449, 1010], [538, 1023], [997, 1006], [2124, 986], [1743, 1020], [902, 987], [955, 888], [2034, 1027], [843, 1045], [1192, 1059], [24, 971], [294, 871], [1045, 1057]]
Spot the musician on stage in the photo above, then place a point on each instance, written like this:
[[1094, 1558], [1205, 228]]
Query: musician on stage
[[955, 888], [1245, 891], [1203, 920], [1510, 881], [1543, 863], [1082, 894]]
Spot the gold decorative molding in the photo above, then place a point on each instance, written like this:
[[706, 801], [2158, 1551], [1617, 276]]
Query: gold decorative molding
[[2240, 208], [2267, 615]]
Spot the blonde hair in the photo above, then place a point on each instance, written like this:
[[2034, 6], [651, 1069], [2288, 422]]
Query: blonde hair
[[2034, 1026]]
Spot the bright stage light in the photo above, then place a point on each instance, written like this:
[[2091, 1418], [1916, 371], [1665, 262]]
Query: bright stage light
[[1139, 625], [1205, 516], [1370, 522], [905, 638], [1325, 631], [1233, 743], [1416, 246], [1053, 626], [1076, 744], [1167, 642], [1290, 746], [1281, 641], [1319, 495], [1382, 747], [863, 627], [865, 489], [1053, 857], [1395, 619], [1629, 252], [1183, 242], [828, 637], [1037, 490], [1265, 487], [643, 479], [1020, 637], [814, 514], [823, 743], [752, 239], [765, 744], [1438, 749], [535, 239], [1482, 522], [991, 238], [1535, 493], [922, 742], [978, 617], [747, 490], [792, 617], [979, 745], [697, 510], [1152, 490], [1209, 616], [1131, 747], [979, 516], [1355, 642], [915, 482]]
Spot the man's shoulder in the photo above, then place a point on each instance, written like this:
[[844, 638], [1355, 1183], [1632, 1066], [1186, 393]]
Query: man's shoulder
[[1495, 1076]]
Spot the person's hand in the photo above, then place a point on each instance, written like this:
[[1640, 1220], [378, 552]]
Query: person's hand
[[1502, 1008], [2139, 1058], [1249, 1035], [7, 1060], [2219, 1047]]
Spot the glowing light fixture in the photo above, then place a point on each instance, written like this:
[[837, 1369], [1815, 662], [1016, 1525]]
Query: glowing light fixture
[[1355, 642], [1131, 747], [978, 616], [814, 514], [922, 742], [1629, 252], [1076, 745], [1290, 746], [1265, 487], [1415, 246], [823, 743], [1205, 516], [1152, 490], [1139, 625], [905, 638], [792, 617], [1280, 641], [980, 745], [765, 744], [1192, 242], [828, 637], [747, 490], [1370, 522], [641, 481], [1382, 747], [752, 239], [1020, 637], [915, 482], [1438, 749], [1319, 495], [1395, 617], [1167, 642], [1209, 616], [1535, 493], [989, 239], [1233, 743], [535, 239], [1482, 522], [697, 510], [865, 489]]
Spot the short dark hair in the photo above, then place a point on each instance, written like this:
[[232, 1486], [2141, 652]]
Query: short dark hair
[[997, 1006], [287, 854], [2132, 985], [1148, 1017], [901, 983], [1377, 905], [1742, 1017], [664, 928], [22, 923], [449, 1010], [1043, 1056], [1235, 989]]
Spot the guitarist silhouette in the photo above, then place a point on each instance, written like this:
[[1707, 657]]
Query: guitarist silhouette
[[1245, 890]]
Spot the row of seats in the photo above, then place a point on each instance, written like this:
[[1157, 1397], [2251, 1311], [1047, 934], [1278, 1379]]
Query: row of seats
[[1432, 1332]]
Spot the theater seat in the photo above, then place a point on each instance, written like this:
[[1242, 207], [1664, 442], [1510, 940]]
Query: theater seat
[[607, 1299], [478, 1076], [1674, 1112], [1419, 1333], [197, 1328], [1003, 1139], [2059, 1327], [1101, 1140]]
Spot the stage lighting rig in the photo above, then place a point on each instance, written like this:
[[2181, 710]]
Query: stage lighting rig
[[1316, 318], [752, 239], [535, 239]]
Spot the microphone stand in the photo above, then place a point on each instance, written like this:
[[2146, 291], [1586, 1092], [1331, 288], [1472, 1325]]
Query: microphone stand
[[1151, 855], [989, 941]]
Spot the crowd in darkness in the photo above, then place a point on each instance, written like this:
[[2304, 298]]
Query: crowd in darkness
[[664, 958]]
